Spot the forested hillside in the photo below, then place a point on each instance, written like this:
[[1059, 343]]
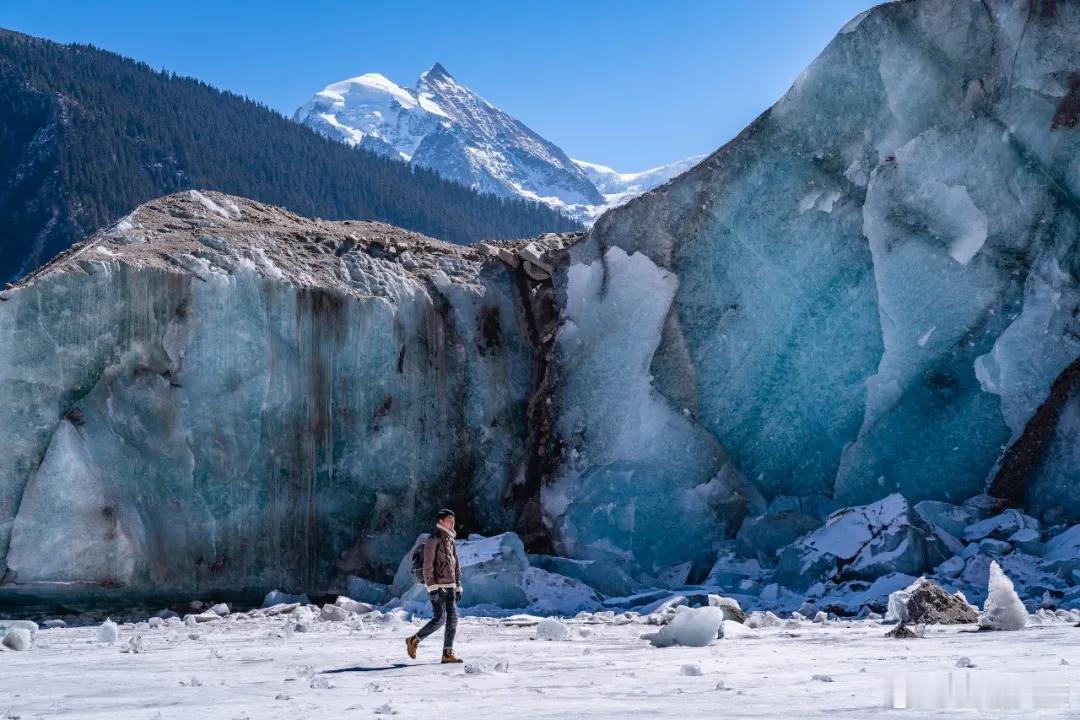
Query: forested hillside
[[86, 135]]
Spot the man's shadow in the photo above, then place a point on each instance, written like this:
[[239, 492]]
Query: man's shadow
[[394, 666]]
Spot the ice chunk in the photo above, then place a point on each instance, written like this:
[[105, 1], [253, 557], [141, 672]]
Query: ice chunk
[[281, 609], [198, 618], [729, 570], [765, 619], [17, 639], [990, 546], [333, 613], [661, 610], [732, 630], [603, 576], [1064, 546], [859, 542], [302, 616], [367, 591], [1003, 609], [1000, 526], [764, 535], [1031, 575], [352, 606], [493, 571], [557, 594], [858, 596], [691, 627], [951, 567], [28, 625], [898, 600], [675, 576], [1027, 540], [552, 629], [277, 597], [108, 632]]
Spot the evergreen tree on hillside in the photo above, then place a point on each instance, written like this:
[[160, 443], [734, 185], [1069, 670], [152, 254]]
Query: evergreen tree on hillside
[[86, 135]]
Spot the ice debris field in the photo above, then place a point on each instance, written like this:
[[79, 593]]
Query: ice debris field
[[660, 653]]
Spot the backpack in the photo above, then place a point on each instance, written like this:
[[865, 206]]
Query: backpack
[[418, 562]]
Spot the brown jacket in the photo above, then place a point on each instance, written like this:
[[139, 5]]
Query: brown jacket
[[441, 567]]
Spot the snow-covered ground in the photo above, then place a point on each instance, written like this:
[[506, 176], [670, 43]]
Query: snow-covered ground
[[241, 667]]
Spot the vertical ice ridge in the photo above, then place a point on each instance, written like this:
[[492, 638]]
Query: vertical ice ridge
[[627, 445]]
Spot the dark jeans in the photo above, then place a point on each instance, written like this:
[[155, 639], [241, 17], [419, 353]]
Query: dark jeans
[[444, 609]]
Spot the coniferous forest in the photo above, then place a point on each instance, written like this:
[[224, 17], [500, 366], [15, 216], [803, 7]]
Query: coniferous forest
[[87, 135]]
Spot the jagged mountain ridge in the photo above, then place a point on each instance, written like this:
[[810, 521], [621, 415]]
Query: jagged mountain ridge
[[445, 126]]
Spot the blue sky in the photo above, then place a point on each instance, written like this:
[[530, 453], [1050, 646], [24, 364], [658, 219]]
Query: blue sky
[[631, 84]]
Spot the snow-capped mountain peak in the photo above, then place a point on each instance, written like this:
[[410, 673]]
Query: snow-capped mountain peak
[[373, 111], [443, 125]]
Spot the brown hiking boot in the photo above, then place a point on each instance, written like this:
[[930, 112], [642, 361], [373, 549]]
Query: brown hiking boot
[[411, 643], [449, 657]]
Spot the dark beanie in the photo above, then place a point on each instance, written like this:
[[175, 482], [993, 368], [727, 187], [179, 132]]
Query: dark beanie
[[445, 513]]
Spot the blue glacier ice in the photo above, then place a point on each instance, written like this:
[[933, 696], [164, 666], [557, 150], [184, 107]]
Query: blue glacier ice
[[201, 399], [877, 279], [813, 362]]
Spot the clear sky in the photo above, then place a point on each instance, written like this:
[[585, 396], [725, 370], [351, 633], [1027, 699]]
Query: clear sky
[[626, 83]]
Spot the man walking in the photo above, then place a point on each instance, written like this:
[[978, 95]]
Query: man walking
[[442, 576]]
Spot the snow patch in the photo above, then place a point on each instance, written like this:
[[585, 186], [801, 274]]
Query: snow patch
[[227, 209]]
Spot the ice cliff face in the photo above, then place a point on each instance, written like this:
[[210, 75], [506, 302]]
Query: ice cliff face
[[877, 280], [215, 393]]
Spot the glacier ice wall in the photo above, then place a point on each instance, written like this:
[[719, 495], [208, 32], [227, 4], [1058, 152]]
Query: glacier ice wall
[[215, 394], [877, 279], [871, 290]]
